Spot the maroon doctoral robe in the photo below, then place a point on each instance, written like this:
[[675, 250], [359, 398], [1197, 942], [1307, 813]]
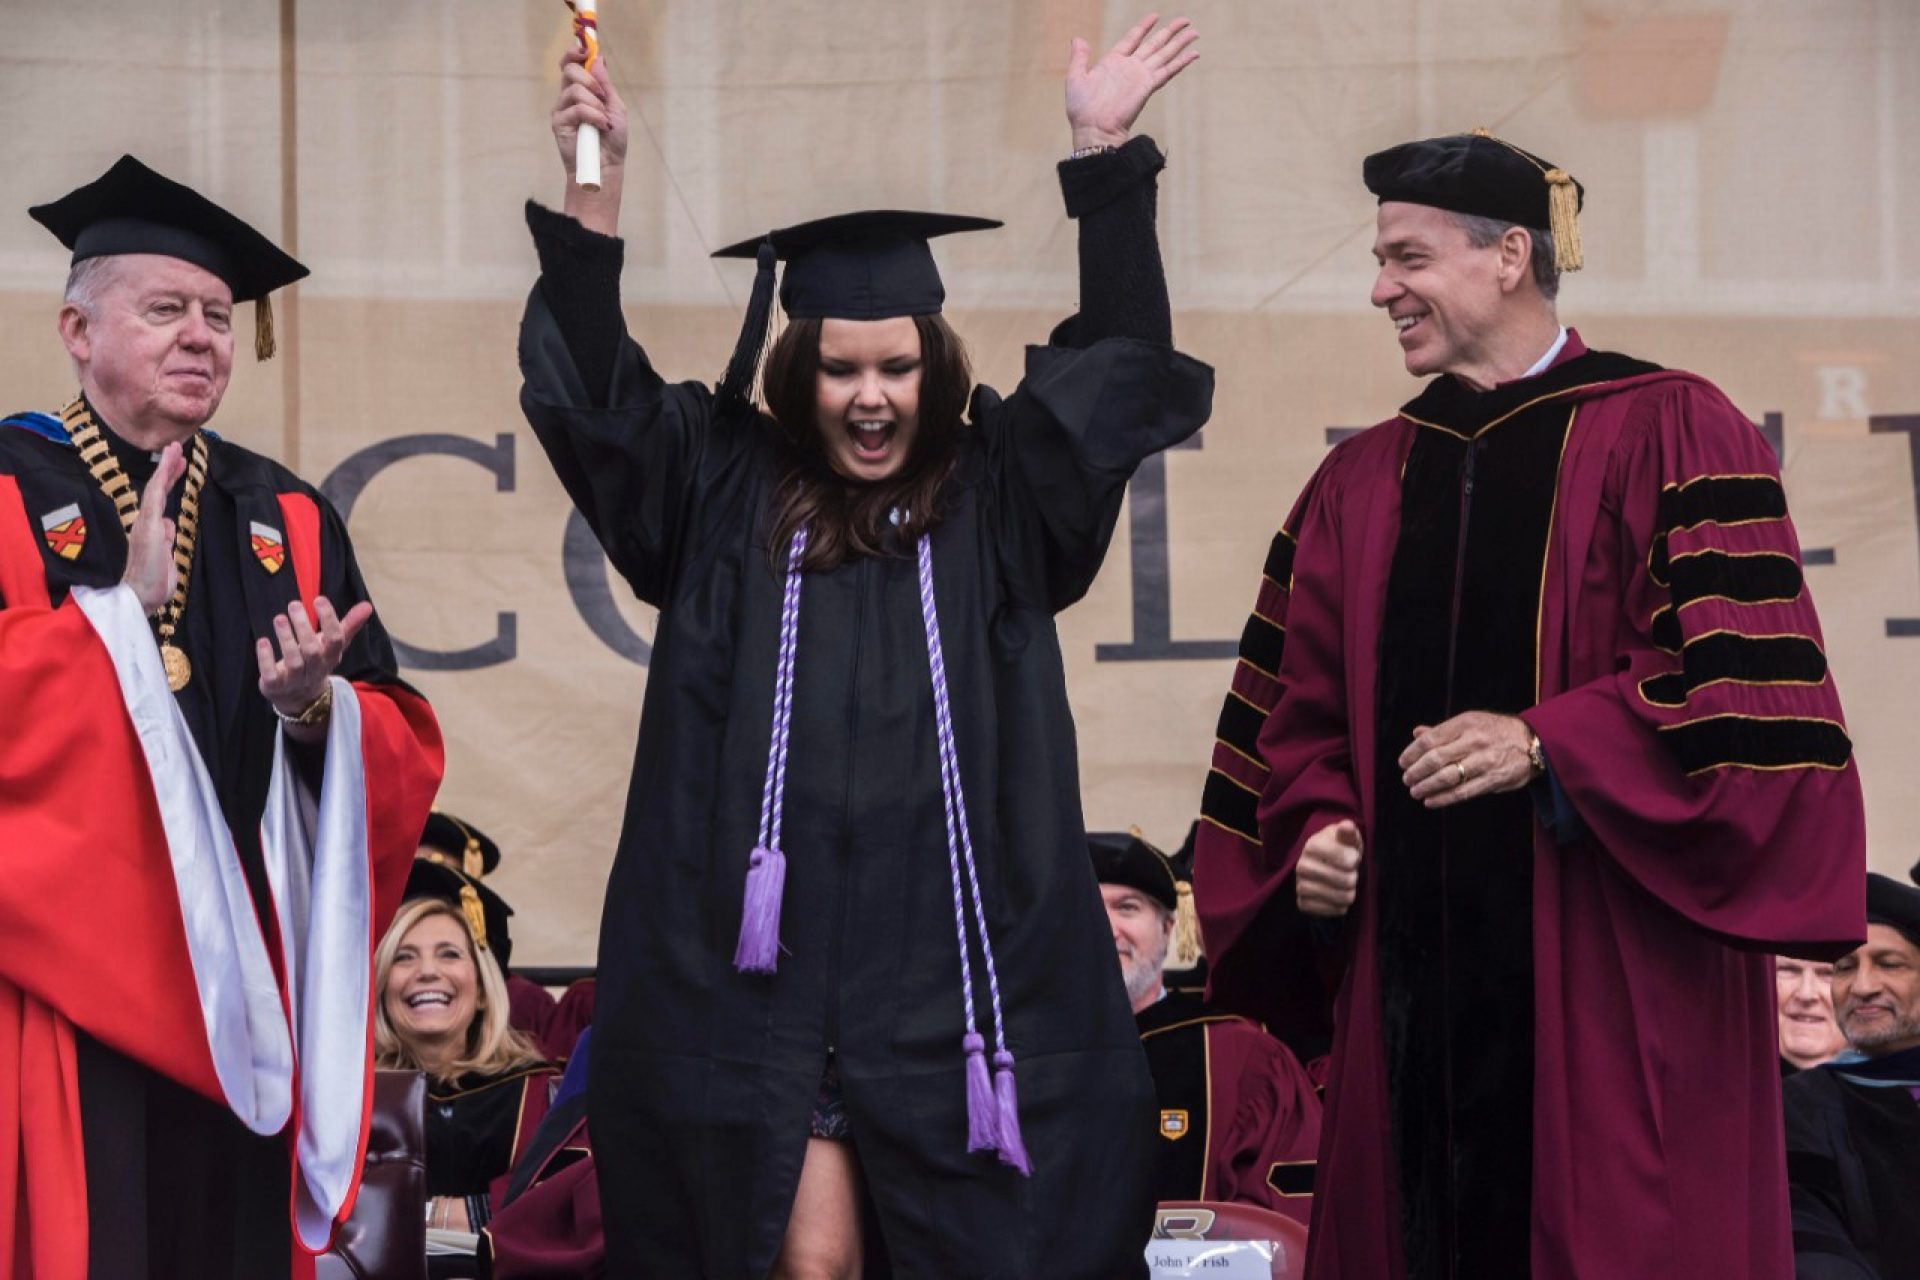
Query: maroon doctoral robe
[[1239, 1119], [1552, 1015]]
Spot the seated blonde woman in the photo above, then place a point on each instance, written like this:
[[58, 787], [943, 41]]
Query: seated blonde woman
[[443, 1011]]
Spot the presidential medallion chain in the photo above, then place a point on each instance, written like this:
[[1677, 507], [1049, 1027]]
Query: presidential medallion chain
[[85, 433]]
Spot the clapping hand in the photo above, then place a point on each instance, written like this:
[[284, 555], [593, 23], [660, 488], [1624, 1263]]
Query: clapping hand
[[151, 570], [1104, 99], [308, 653]]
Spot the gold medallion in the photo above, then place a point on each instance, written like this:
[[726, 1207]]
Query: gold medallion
[[179, 670]]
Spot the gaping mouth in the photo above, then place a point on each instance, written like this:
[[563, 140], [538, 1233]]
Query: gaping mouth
[[429, 999], [871, 438]]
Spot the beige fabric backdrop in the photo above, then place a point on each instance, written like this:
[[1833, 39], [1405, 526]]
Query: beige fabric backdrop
[[1753, 171]]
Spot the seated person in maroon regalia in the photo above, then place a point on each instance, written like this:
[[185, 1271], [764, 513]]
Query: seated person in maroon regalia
[[1238, 1117], [1853, 1124], [443, 1010]]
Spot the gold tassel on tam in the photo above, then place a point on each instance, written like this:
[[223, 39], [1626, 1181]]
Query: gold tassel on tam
[[476, 918], [1563, 213], [263, 344], [1186, 950]]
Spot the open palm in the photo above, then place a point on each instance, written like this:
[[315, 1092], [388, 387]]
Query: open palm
[[1104, 99]]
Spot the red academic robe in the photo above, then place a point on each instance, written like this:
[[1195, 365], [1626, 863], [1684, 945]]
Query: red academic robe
[[1684, 705], [125, 914]]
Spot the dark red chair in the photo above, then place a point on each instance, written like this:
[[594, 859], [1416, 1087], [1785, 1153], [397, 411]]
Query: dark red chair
[[385, 1237], [1281, 1239]]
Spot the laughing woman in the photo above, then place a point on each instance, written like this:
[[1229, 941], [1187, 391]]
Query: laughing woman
[[443, 1011], [858, 1006]]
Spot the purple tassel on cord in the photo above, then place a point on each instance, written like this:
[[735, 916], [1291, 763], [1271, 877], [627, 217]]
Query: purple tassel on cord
[[1013, 1151], [759, 944], [981, 1132]]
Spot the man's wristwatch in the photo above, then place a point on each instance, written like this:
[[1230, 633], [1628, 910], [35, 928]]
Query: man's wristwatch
[[1536, 754], [315, 712]]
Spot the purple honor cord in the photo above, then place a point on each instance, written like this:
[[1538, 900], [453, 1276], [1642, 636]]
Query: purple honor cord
[[758, 949], [993, 1107], [993, 1113]]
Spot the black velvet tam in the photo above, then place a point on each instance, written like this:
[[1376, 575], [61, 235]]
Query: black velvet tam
[[433, 875], [132, 209], [870, 265], [1891, 903], [1466, 173], [473, 850], [1120, 858]]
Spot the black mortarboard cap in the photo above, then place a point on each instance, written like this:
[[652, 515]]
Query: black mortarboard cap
[[1122, 857], [1479, 174], [1893, 904], [132, 209], [871, 265]]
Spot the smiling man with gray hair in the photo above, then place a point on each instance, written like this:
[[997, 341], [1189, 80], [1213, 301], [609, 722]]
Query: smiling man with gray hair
[[211, 787], [1853, 1125], [1530, 757]]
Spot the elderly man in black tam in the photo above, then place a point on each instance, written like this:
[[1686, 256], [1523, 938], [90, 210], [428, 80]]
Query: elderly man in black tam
[[1853, 1124], [857, 1004], [1239, 1119], [213, 780], [1531, 757]]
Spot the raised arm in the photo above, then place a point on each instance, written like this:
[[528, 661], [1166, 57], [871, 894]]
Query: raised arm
[[1089, 410], [580, 264], [1109, 182], [588, 97], [1104, 99], [632, 450]]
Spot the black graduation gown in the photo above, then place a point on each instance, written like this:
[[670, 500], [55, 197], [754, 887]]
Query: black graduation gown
[[702, 1078], [176, 1185], [1853, 1170], [475, 1125]]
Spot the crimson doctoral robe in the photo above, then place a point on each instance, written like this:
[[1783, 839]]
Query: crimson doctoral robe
[[189, 905], [1554, 1032]]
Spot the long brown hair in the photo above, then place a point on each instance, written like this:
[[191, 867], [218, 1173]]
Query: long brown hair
[[847, 518]]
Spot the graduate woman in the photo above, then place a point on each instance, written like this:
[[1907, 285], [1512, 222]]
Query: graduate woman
[[858, 1007]]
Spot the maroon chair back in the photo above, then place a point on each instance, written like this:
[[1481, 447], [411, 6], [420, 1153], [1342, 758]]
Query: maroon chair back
[[1283, 1239], [385, 1237]]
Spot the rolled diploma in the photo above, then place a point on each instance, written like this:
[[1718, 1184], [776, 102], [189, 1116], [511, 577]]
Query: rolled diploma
[[586, 148], [586, 158]]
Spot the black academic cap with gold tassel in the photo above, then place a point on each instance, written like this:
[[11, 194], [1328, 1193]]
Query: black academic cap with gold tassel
[[451, 859], [132, 209], [1479, 174], [1126, 858]]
